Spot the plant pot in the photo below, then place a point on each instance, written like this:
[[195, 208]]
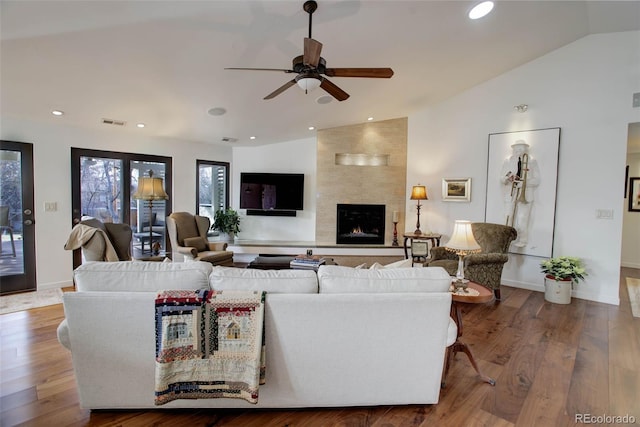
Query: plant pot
[[557, 291]]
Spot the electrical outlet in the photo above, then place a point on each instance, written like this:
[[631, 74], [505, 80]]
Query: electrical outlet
[[636, 100], [604, 213]]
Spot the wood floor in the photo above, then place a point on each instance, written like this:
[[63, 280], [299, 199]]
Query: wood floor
[[550, 361]]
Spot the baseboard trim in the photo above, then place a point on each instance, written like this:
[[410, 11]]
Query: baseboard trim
[[53, 285], [630, 264]]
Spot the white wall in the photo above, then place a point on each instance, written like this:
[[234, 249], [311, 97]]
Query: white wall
[[585, 88], [286, 157], [52, 157], [631, 222]]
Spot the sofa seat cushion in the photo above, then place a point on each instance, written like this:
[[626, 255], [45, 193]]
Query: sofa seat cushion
[[450, 265], [216, 257], [136, 276], [200, 243], [340, 279], [271, 281]]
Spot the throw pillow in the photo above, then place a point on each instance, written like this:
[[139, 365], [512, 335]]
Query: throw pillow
[[197, 242], [404, 263]]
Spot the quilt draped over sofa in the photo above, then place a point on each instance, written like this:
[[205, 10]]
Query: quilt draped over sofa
[[209, 344]]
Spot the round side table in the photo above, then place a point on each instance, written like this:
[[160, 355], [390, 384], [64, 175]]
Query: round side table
[[478, 295]]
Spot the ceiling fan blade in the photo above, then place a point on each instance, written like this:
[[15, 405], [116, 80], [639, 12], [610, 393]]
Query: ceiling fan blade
[[263, 69], [333, 90], [381, 73], [281, 89], [312, 50]]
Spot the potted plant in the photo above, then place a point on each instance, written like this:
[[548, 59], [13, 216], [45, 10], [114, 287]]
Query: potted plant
[[226, 221], [560, 274]]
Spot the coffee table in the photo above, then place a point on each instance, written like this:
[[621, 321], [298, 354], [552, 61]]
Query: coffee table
[[479, 294]]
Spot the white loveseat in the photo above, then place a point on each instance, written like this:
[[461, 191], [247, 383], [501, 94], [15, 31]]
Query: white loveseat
[[343, 337]]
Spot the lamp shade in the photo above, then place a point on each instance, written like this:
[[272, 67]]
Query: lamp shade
[[462, 240], [150, 189], [419, 192]]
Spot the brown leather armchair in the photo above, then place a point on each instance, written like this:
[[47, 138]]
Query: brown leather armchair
[[188, 236], [484, 267], [101, 241]]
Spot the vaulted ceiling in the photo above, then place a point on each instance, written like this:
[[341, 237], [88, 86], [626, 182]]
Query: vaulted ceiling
[[162, 63]]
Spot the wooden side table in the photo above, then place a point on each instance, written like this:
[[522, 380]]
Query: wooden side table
[[145, 237], [484, 295], [410, 237]]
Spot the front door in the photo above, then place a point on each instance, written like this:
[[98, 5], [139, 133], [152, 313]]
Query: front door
[[17, 221]]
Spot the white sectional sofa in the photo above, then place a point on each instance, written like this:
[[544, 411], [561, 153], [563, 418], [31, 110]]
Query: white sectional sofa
[[341, 337]]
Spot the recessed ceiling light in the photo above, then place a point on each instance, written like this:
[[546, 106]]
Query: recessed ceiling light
[[57, 113], [480, 10], [140, 125], [370, 118], [252, 137], [324, 99], [216, 111], [311, 128]]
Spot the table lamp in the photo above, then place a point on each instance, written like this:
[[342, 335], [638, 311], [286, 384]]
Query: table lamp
[[419, 192], [462, 243], [150, 189]]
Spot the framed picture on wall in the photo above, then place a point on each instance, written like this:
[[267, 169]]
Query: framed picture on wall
[[626, 181], [522, 175], [456, 189], [634, 194]]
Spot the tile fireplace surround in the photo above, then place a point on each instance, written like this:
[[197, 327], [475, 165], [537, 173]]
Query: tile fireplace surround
[[352, 184]]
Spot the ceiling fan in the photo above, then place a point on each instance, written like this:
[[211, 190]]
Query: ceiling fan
[[310, 67]]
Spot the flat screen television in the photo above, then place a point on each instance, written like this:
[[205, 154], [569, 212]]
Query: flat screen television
[[265, 192]]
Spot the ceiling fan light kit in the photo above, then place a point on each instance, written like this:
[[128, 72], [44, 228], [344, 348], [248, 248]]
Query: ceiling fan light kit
[[310, 67]]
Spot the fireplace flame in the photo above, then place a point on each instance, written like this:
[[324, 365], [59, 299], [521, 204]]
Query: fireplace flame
[[356, 230]]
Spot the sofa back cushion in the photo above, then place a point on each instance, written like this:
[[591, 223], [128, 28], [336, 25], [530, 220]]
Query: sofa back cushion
[[141, 276], [339, 279], [271, 281]]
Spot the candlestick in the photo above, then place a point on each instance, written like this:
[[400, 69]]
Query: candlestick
[[395, 233], [395, 216]]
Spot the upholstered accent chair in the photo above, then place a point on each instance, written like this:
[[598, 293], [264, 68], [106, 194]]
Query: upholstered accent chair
[[188, 236], [101, 241], [484, 267]]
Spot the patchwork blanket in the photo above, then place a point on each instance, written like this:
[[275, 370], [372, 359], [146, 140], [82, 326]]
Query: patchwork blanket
[[209, 344]]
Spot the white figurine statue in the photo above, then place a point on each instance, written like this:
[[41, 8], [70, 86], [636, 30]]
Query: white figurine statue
[[520, 176]]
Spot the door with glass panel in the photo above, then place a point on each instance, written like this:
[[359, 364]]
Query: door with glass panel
[[17, 221], [103, 186]]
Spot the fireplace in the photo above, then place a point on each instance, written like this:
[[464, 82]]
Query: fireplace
[[360, 224]]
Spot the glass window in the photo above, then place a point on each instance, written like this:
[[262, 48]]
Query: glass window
[[212, 187]]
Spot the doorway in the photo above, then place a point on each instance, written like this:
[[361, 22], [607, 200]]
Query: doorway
[[102, 183], [17, 222], [631, 218]]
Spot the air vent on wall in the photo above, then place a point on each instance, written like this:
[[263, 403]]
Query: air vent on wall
[[229, 139], [113, 122]]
